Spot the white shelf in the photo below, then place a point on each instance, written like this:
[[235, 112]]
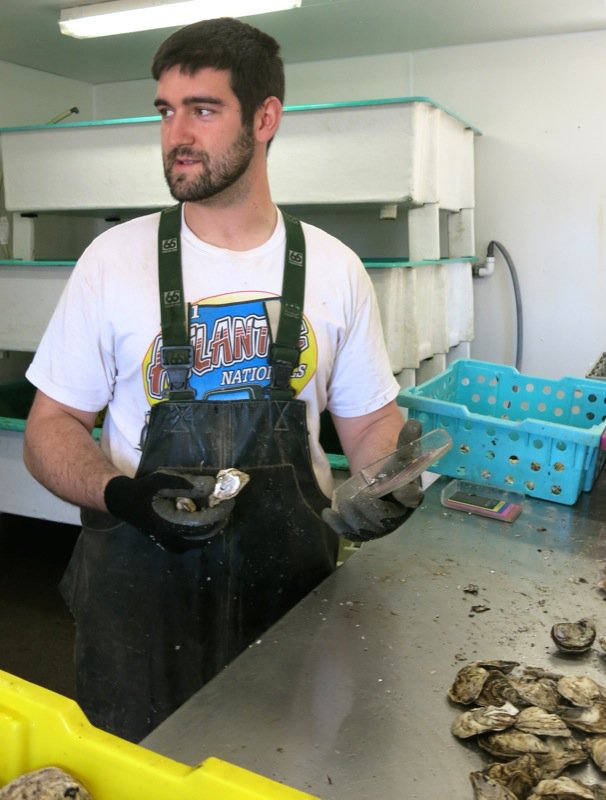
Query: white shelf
[[395, 151], [20, 493], [29, 292], [426, 309]]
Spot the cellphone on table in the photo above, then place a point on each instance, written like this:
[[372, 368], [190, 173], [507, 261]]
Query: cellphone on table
[[483, 500]]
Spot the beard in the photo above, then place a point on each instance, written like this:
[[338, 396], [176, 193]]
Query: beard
[[216, 176]]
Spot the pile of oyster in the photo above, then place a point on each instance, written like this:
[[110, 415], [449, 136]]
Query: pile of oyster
[[535, 724]]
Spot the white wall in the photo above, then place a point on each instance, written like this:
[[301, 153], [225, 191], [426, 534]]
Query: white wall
[[540, 189], [30, 97], [540, 175], [316, 82], [124, 100]]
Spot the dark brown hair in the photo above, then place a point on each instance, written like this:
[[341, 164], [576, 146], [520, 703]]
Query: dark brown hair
[[251, 57]]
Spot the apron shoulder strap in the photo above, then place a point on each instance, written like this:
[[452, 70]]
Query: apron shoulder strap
[[176, 351], [177, 355], [284, 352]]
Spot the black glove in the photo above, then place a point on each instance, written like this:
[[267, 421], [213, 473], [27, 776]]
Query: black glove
[[363, 517], [148, 504]]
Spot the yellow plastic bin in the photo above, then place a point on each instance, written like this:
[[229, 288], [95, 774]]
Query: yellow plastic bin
[[40, 728]]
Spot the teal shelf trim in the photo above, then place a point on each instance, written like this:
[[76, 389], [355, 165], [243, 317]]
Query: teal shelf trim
[[94, 123], [18, 262], [12, 424], [337, 461], [18, 425], [391, 263], [385, 101], [369, 263]]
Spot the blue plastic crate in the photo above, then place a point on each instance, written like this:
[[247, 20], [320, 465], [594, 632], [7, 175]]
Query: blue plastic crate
[[518, 432]]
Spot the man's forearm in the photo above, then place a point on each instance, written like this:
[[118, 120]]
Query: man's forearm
[[366, 439], [61, 454]]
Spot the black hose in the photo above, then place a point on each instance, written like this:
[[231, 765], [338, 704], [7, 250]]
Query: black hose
[[517, 295]]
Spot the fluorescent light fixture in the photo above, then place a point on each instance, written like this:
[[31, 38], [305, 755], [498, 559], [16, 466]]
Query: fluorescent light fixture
[[126, 16]]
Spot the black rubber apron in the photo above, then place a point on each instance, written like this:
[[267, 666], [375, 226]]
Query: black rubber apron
[[152, 626]]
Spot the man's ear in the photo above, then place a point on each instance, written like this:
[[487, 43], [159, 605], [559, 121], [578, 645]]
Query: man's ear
[[267, 119]]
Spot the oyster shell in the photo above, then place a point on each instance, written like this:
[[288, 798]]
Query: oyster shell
[[562, 788], [185, 504], [597, 750], [511, 743], [47, 783], [487, 788], [468, 684], [497, 690], [574, 637], [519, 775], [501, 666], [580, 690], [481, 720], [539, 672], [540, 722], [229, 483], [554, 764], [564, 752], [591, 719], [541, 692]]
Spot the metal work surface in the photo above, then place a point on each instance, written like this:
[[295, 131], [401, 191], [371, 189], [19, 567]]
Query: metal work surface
[[346, 697]]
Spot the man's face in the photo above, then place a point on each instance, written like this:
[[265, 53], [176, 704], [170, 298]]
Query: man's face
[[205, 148]]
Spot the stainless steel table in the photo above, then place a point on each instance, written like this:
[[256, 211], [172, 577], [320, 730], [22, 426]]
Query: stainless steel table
[[346, 696]]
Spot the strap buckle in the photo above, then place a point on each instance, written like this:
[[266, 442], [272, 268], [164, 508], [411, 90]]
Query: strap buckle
[[283, 360], [178, 361], [281, 372]]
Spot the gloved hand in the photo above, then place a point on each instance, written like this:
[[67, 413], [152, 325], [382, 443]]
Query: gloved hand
[[148, 504], [362, 518]]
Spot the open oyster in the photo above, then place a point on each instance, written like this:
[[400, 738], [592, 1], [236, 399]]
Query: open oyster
[[229, 483], [574, 637]]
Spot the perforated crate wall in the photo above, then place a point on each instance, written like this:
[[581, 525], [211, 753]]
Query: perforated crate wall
[[520, 432]]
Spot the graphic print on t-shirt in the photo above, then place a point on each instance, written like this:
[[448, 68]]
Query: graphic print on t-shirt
[[231, 336]]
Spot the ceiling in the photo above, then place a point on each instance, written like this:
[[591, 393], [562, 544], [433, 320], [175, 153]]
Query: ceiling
[[319, 30]]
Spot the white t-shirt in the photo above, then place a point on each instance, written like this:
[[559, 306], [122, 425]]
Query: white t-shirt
[[102, 345]]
